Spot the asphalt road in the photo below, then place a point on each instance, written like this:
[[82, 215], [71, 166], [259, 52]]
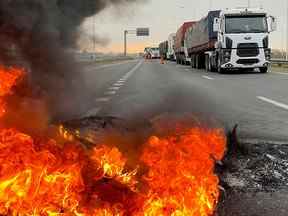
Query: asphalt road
[[141, 89]]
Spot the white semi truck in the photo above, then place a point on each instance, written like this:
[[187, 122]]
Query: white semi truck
[[231, 39]]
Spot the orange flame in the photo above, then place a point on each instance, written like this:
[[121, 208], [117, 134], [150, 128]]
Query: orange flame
[[8, 78], [42, 177], [181, 175]]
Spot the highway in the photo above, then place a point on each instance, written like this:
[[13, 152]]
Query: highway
[[143, 89]]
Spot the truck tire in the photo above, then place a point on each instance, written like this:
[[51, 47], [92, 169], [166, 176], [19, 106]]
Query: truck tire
[[263, 69], [207, 63], [219, 69]]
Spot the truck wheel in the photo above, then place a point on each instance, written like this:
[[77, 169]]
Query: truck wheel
[[220, 70], [263, 69], [207, 63]]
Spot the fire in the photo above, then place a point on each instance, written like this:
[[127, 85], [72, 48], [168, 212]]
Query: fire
[[8, 78], [39, 176], [181, 175]]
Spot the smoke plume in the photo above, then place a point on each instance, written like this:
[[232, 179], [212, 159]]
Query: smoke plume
[[41, 31]]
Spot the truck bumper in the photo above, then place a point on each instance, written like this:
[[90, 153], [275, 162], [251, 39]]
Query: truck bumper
[[236, 62]]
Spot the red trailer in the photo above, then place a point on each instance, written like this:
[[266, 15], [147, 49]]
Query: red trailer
[[180, 49]]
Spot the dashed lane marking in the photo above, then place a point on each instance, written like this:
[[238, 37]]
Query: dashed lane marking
[[93, 111], [110, 93], [208, 77], [275, 103], [118, 84], [114, 88], [132, 71], [103, 99]]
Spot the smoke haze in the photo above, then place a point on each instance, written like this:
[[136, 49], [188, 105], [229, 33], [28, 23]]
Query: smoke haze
[[40, 31]]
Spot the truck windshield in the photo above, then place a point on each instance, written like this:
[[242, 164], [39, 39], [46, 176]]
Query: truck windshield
[[246, 24]]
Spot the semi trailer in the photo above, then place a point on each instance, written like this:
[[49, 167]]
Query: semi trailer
[[163, 49], [231, 39], [171, 47], [181, 51]]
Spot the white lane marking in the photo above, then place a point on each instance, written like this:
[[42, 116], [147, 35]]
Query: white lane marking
[[121, 81], [207, 77], [275, 103], [187, 69], [110, 93], [132, 71], [94, 111], [118, 84], [103, 99], [114, 88]]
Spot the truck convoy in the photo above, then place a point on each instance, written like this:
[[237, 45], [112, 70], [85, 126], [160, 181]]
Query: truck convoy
[[224, 40]]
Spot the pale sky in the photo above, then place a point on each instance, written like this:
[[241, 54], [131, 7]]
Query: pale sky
[[165, 16]]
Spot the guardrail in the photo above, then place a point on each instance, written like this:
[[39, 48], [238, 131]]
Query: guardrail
[[279, 61]]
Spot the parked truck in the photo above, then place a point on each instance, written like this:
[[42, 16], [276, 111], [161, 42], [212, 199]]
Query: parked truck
[[163, 49], [181, 51], [171, 47], [231, 39]]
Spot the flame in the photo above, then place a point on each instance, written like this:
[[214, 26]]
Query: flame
[[181, 175], [39, 176], [8, 78], [112, 163]]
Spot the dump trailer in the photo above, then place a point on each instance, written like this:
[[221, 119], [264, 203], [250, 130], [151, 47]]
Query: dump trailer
[[171, 47], [181, 51], [231, 39], [163, 49]]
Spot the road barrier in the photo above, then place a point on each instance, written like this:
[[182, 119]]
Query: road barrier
[[279, 62]]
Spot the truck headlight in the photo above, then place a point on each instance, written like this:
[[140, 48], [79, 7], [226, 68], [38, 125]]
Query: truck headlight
[[267, 54], [226, 59]]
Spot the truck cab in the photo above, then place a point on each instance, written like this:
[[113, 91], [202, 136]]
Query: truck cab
[[243, 39]]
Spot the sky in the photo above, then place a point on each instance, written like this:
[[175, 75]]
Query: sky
[[164, 17]]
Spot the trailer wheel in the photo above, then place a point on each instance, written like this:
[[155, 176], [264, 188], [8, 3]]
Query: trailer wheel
[[207, 63]]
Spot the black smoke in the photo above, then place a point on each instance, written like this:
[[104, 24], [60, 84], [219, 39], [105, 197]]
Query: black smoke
[[42, 32]]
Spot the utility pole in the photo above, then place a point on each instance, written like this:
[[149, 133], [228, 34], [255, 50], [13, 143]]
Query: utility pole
[[249, 3], [125, 42], [94, 34]]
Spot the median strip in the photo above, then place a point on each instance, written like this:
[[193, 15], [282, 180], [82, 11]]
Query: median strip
[[275, 103]]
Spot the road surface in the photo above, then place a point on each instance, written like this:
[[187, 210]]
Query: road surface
[[141, 89]]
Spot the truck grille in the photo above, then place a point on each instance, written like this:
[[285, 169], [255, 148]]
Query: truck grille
[[247, 50], [247, 61]]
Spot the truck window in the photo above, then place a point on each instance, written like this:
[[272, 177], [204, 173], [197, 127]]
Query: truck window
[[246, 24]]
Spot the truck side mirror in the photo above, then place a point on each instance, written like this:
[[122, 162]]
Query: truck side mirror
[[272, 23], [216, 25]]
